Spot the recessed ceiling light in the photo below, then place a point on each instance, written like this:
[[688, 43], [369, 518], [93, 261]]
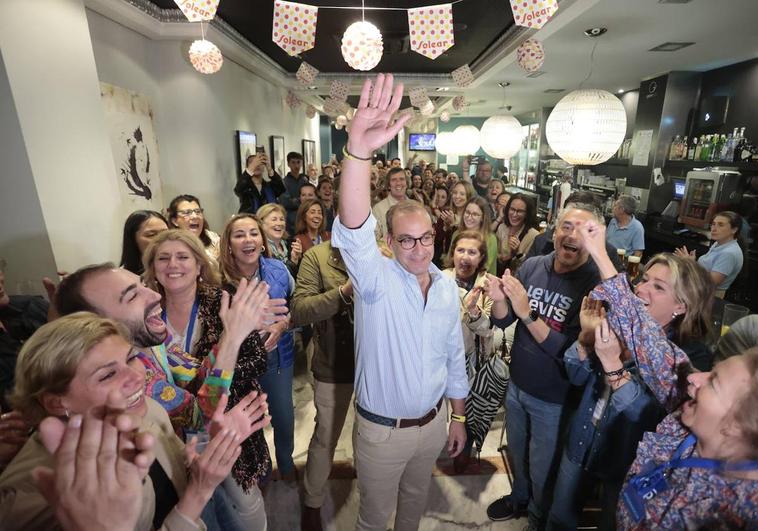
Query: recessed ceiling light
[[595, 32], [620, 91], [670, 46], [504, 84]]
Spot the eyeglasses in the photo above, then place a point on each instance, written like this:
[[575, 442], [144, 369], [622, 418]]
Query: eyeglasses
[[409, 243], [517, 211], [187, 213], [469, 214]]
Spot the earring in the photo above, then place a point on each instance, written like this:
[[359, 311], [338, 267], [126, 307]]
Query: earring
[[263, 247], [66, 410], [674, 315]]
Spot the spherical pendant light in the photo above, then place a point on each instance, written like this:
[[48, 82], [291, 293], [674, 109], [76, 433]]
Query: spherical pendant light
[[445, 142], [362, 45], [586, 127], [501, 136], [467, 139], [444, 116], [205, 57]]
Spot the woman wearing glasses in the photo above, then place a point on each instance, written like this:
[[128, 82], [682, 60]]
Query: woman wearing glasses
[[517, 233], [185, 212], [476, 217]]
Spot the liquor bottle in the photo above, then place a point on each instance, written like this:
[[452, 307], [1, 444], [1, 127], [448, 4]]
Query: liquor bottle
[[683, 149], [698, 148], [691, 149], [725, 153], [705, 152], [674, 149], [738, 147], [718, 143]]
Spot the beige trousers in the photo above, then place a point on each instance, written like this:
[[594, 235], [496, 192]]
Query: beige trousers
[[394, 467], [332, 402]]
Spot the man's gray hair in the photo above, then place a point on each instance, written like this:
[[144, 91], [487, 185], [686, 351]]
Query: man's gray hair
[[628, 204], [587, 207]]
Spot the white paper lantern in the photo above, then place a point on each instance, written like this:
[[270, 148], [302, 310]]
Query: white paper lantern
[[205, 57], [362, 45], [501, 136], [586, 127], [444, 116], [445, 143], [530, 55], [467, 139]]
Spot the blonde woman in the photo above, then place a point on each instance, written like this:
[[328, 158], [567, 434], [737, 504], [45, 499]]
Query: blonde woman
[[273, 220]]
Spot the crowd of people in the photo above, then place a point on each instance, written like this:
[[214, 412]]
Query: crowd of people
[[136, 398]]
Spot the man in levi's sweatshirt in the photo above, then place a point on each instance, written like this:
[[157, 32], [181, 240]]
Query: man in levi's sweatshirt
[[545, 296]]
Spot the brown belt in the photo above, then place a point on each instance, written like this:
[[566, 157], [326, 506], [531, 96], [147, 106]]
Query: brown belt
[[400, 423]]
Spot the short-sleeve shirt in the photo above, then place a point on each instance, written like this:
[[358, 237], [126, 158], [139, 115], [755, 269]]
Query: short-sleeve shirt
[[725, 259], [630, 237]]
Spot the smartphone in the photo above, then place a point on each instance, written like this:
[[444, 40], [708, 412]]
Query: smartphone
[[260, 149]]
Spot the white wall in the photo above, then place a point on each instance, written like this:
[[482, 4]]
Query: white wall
[[196, 115]]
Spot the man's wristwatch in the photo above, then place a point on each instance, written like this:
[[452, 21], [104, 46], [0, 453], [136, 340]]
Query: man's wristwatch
[[529, 319]]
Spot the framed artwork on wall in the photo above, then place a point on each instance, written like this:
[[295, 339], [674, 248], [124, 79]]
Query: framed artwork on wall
[[245, 147], [309, 154], [278, 155]]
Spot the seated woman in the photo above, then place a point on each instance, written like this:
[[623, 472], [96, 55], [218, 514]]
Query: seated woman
[[177, 267], [476, 217], [468, 258], [273, 219], [724, 259], [139, 230], [242, 248], [616, 410], [712, 416], [516, 234], [185, 212], [72, 365], [310, 225]]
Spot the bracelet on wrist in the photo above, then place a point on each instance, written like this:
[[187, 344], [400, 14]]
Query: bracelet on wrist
[[350, 156], [618, 372], [458, 418]]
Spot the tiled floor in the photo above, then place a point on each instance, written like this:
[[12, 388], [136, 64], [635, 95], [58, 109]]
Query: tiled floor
[[454, 502]]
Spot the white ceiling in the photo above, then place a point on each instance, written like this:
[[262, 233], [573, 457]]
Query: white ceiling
[[724, 32]]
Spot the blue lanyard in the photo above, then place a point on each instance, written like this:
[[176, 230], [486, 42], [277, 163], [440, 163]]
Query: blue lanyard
[[190, 325]]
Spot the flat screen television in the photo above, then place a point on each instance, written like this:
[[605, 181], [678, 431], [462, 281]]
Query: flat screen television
[[679, 188], [421, 141]]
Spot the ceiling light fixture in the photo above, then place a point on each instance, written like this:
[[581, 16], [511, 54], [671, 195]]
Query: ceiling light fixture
[[504, 84], [620, 91], [595, 32]]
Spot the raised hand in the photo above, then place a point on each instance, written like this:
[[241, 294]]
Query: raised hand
[[248, 416], [513, 243], [296, 252], [209, 468], [372, 125], [607, 347], [593, 238], [471, 300], [516, 293], [590, 316], [494, 288], [684, 252], [250, 310]]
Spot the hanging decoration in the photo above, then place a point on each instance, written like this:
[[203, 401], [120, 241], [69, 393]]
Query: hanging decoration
[[444, 117], [205, 57], [294, 26], [333, 107], [292, 100], [362, 45], [197, 10], [431, 29], [459, 102], [530, 55], [467, 139], [306, 73], [310, 111], [463, 77], [586, 127], [338, 91], [418, 96], [427, 108], [501, 136], [533, 14]]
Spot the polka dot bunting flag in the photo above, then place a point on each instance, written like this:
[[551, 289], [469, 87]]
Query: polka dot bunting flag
[[197, 10], [431, 29], [533, 13], [530, 55], [294, 26]]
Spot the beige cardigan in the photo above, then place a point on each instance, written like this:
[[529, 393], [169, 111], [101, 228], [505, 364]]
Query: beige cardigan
[[22, 507], [481, 326], [504, 249]]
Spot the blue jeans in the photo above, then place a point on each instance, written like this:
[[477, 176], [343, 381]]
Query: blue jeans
[[532, 427], [277, 384], [230, 509], [571, 490]]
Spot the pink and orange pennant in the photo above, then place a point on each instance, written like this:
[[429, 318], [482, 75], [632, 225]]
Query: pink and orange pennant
[[431, 29], [294, 27], [533, 13]]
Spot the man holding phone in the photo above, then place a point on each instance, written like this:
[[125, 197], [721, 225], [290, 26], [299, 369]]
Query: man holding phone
[[258, 184]]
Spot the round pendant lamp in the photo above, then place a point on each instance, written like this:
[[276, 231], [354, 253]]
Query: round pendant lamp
[[501, 136]]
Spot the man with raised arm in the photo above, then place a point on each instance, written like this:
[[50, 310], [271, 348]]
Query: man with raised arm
[[409, 346]]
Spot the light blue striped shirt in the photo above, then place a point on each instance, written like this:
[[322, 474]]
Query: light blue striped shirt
[[408, 354]]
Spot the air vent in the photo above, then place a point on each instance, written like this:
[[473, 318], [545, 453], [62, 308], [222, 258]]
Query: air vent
[[670, 46], [554, 91], [674, 1], [538, 73]]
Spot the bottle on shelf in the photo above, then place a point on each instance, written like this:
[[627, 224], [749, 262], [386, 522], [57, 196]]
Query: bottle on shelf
[[718, 144], [727, 151], [683, 149], [691, 149], [698, 147], [740, 153], [705, 151], [674, 149]]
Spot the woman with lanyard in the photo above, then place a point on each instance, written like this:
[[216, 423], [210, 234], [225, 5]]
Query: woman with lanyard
[[242, 248], [177, 267], [273, 219], [699, 469], [724, 259], [517, 232], [310, 225], [616, 409], [468, 258]]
